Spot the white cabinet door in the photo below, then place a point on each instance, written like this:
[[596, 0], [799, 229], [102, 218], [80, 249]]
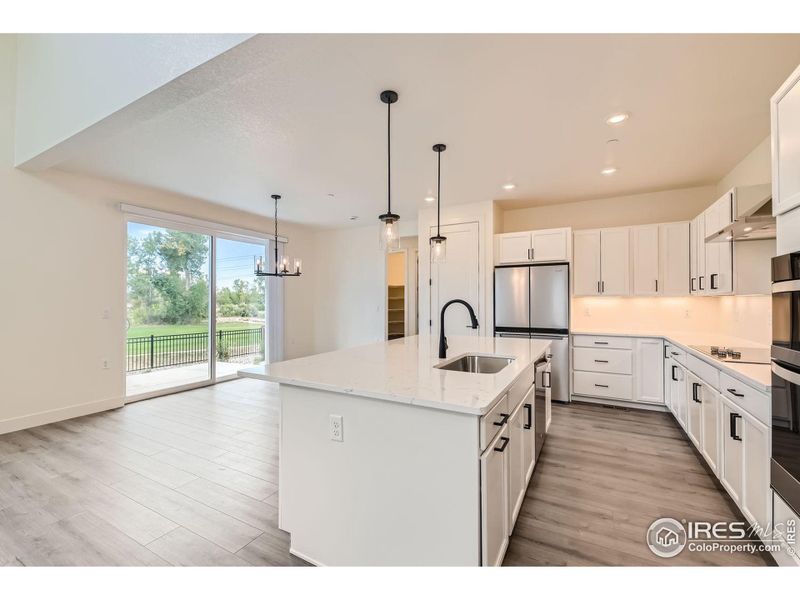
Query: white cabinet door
[[786, 145], [694, 412], [730, 473], [693, 263], [667, 375], [719, 214], [550, 245], [673, 257], [529, 434], [677, 381], [512, 247], [586, 262], [702, 276], [649, 370], [494, 500], [615, 262], [516, 465], [719, 268], [711, 408], [644, 255], [755, 489]]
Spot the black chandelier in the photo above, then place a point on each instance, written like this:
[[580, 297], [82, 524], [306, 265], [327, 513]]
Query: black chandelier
[[281, 266]]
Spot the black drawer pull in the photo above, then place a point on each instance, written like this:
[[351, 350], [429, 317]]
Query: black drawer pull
[[675, 353], [735, 393], [503, 420], [674, 377], [713, 285], [600, 361], [603, 343], [734, 434], [695, 388], [502, 448], [600, 385], [528, 416]]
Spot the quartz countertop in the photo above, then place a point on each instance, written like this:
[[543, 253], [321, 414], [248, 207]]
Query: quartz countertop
[[402, 370], [758, 376]]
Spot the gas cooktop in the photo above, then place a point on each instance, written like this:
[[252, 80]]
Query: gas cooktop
[[756, 356]]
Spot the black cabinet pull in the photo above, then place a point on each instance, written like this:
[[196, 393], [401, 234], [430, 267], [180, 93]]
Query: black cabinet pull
[[674, 377], [656, 284], [548, 384], [735, 393], [700, 281], [675, 353], [598, 287], [735, 435], [603, 286], [528, 416], [695, 388], [713, 286], [502, 448], [602, 343], [600, 361], [691, 287], [503, 420], [600, 385]]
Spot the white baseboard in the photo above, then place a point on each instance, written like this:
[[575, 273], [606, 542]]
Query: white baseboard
[[621, 403], [58, 414], [304, 557]]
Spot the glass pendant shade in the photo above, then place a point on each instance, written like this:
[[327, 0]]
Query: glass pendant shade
[[389, 235], [438, 249]]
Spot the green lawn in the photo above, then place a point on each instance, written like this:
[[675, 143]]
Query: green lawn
[[148, 330]]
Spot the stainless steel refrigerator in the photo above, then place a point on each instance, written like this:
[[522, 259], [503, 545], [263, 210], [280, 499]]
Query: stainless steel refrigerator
[[532, 301]]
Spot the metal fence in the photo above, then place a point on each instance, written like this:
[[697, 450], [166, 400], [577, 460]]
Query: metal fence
[[161, 351]]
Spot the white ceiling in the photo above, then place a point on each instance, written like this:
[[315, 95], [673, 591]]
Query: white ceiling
[[301, 117]]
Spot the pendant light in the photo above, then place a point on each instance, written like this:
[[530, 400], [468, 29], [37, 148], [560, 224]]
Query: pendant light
[[439, 242], [389, 234], [281, 265]]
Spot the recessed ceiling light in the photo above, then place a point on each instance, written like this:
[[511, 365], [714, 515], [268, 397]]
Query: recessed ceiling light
[[746, 229], [430, 199], [617, 118], [609, 171], [729, 237], [509, 186]]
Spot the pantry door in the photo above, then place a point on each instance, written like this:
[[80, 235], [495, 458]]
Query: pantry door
[[457, 277]]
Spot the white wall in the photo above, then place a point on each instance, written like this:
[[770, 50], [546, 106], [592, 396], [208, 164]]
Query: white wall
[[68, 82], [62, 256], [618, 211], [753, 169], [349, 302]]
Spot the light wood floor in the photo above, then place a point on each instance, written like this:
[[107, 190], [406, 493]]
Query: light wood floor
[[604, 476], [191, 479]]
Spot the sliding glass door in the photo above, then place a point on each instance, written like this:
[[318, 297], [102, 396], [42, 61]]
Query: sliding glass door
[[168, 320], [196, 314], [241, 308]]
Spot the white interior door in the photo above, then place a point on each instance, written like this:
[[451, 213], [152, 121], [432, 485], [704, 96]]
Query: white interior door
[[458, 277]]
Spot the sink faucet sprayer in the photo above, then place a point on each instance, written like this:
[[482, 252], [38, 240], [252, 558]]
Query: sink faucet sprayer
[[442, 338]]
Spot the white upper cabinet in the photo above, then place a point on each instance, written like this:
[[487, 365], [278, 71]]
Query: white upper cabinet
[[673, 259], [615, 271], [719, 214], [542, 245], [513, 248], [586, 263], [785, 107], [644, 244], [698, 282]]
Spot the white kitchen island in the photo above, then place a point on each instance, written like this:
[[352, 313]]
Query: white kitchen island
[[386, 460]]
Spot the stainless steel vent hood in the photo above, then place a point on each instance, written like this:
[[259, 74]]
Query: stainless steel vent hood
[[751, 211]]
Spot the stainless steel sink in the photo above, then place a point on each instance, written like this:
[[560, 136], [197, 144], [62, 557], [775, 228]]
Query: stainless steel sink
[[476, 363]]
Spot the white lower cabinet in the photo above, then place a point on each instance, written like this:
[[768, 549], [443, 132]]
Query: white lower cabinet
[[677, 383], [648, 371], [516, 464], [528, 435], [732, 465], [712, 419], [494, 500], [694, 412], [755, 489]]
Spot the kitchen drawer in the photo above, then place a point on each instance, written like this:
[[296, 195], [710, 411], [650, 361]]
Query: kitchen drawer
[[756, 403], [602, 341], [706, 372], [519, 389], [493, 421], [602, 385], [602, 360], [676, 354]]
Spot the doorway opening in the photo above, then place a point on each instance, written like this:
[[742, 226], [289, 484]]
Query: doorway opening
[[402, 290]]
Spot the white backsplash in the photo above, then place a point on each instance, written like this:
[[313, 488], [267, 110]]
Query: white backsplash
[[747, 317]]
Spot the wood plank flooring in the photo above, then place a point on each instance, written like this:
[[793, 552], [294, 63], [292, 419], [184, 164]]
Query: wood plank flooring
[[187, 479], [192, 479], [603, 477]]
